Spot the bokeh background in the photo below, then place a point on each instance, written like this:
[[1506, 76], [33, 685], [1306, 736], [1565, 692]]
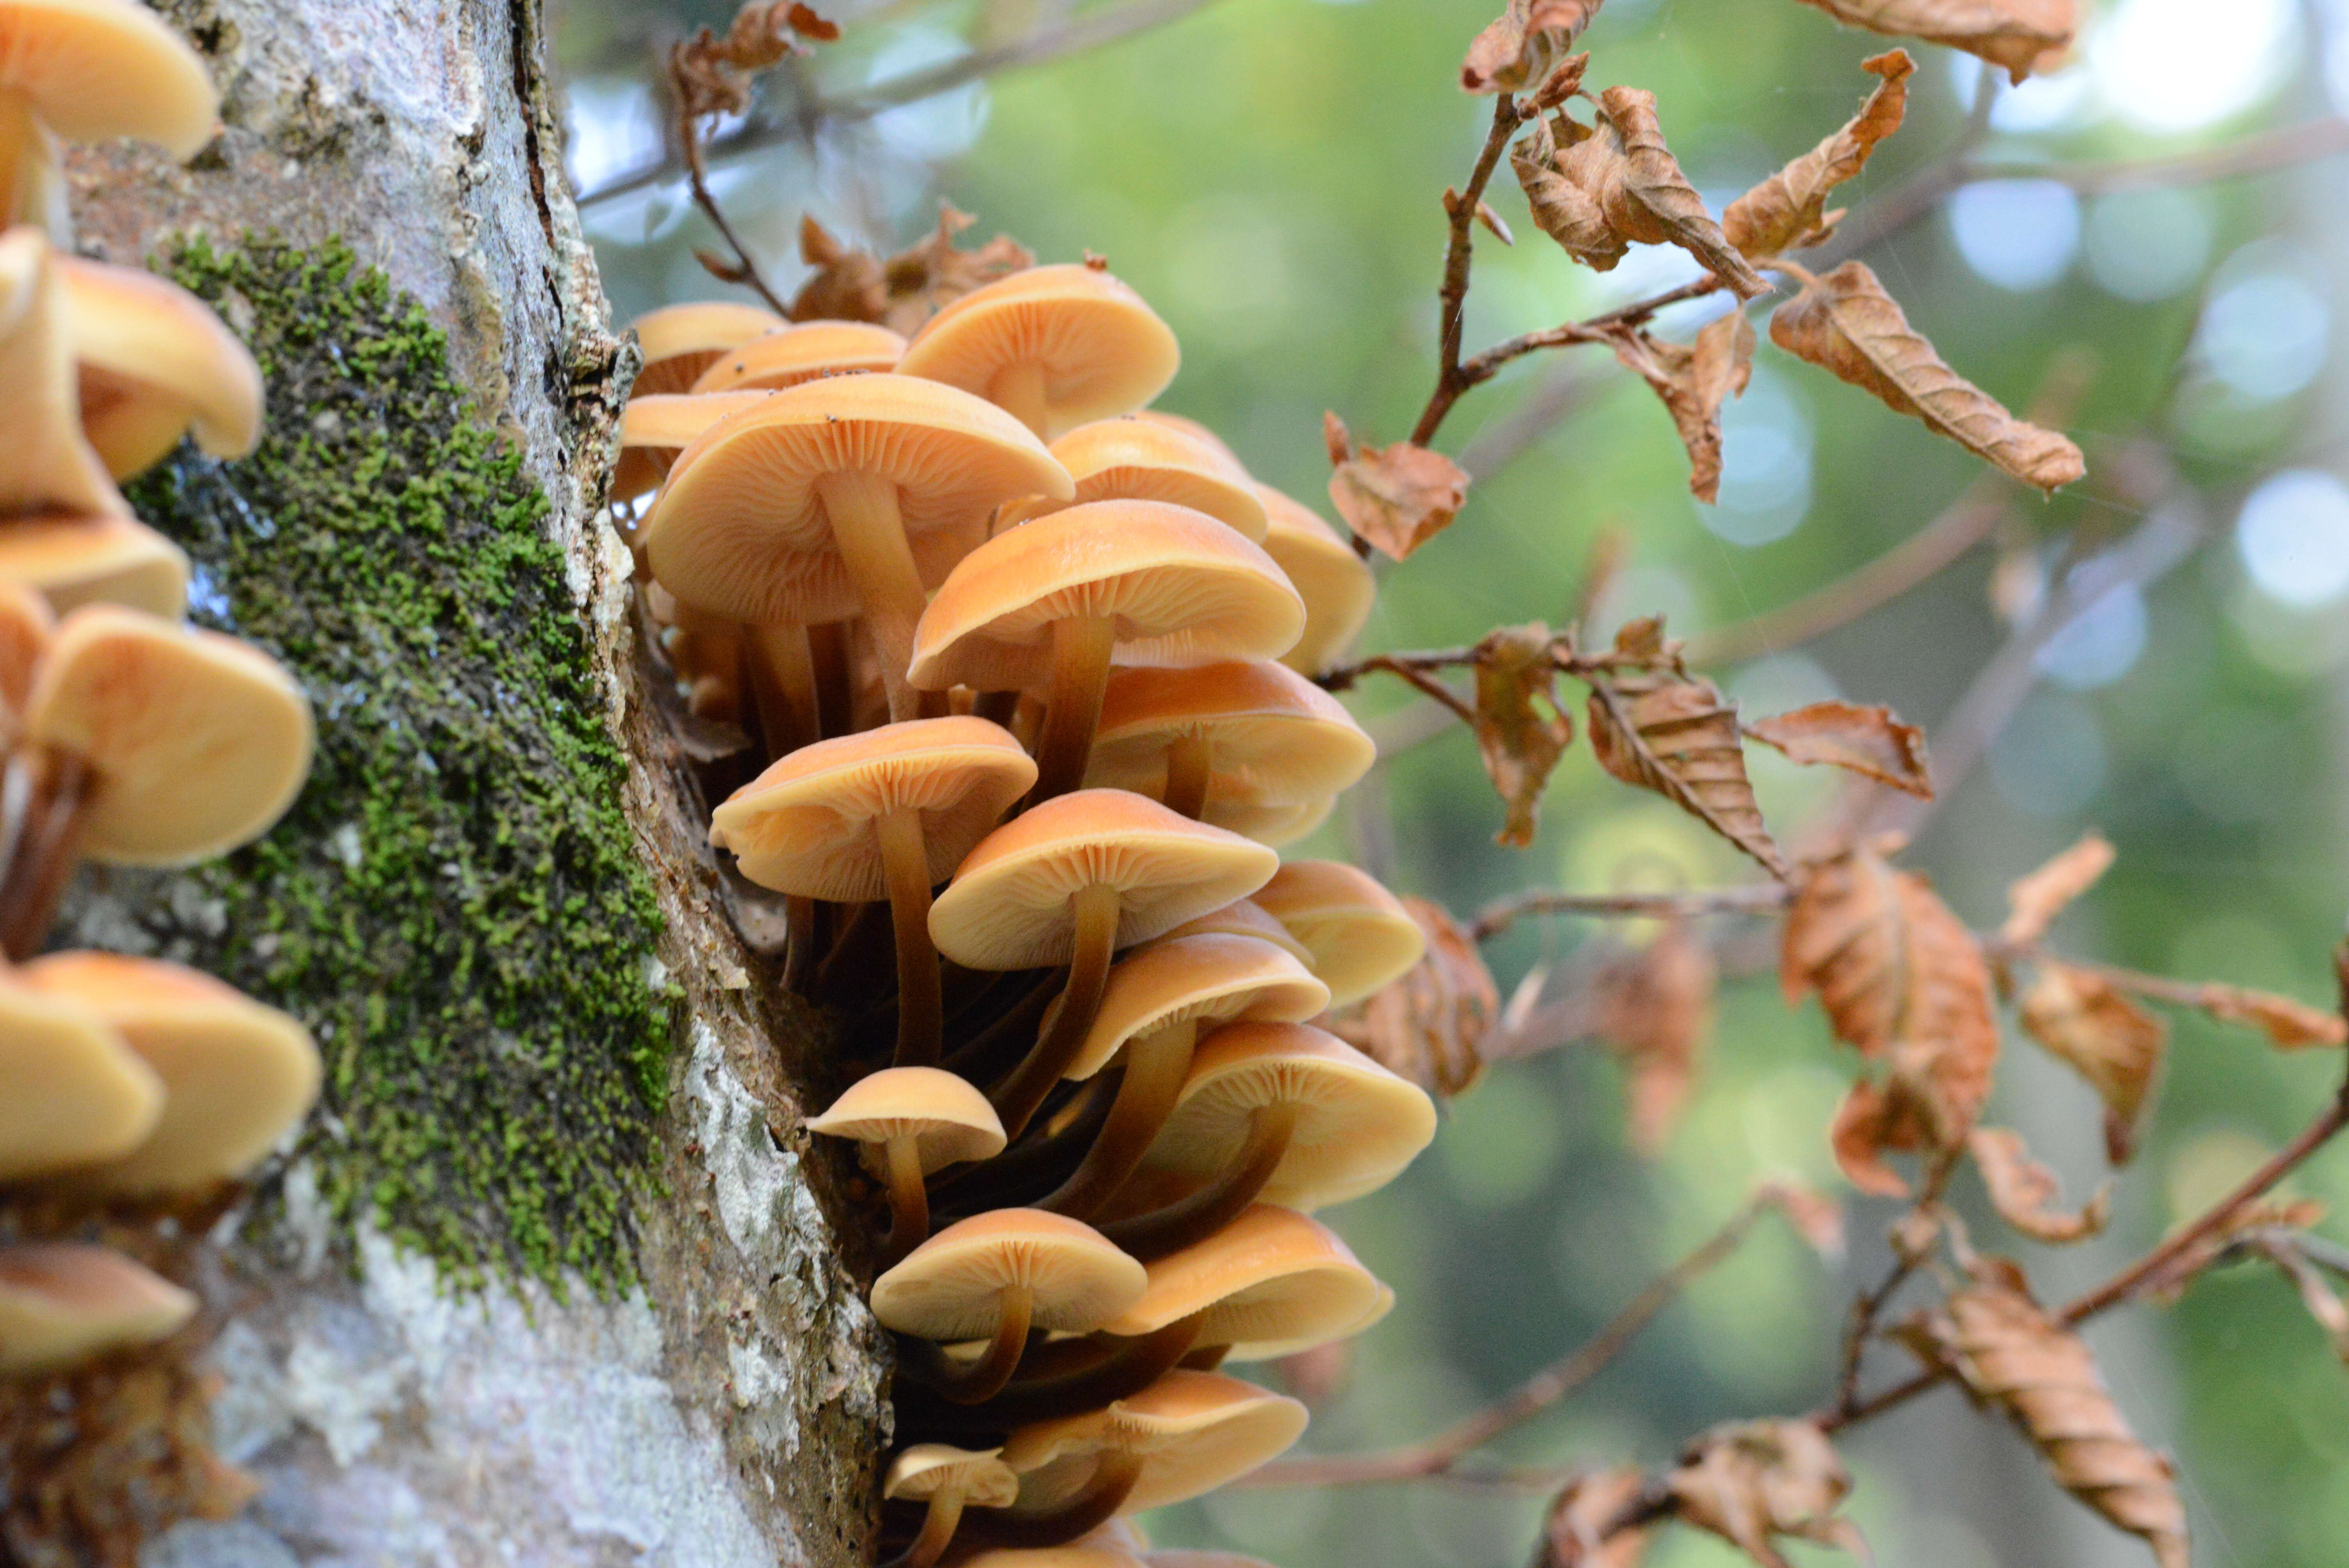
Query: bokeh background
[[1266, 173]]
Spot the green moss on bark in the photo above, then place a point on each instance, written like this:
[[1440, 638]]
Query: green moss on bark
[[454, 905]]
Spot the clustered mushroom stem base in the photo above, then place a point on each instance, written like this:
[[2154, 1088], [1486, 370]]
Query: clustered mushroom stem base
[[1007, 1180], [1097, 909], [1018, 391], [984, 1379], [870, 533], [905, 860], [1190, 1221], [909, 1199], [1090, 1508], [1127, 1367], [44, 802], [1155, 1065], [1188, 772], [1081, 645]]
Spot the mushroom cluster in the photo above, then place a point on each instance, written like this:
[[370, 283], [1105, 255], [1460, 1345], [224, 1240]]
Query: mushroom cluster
[[134, 1093], [1022, 671]]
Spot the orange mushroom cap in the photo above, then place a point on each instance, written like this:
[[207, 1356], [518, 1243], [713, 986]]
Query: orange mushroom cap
[[1136, 458], [97, 558], [1096, 348], [1337, 587], [681, 340], [806, 352], [60, 1304], [155, 363], [1360, 935], [1277, 740]]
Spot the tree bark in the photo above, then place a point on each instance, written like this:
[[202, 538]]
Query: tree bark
[[554, 1277]]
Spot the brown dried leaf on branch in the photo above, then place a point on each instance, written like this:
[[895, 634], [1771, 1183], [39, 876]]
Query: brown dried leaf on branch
[[2239, 1230], [2316, 1293], [1815, 1216], [1523, 45], [1577, 1529], [2027, 1195], [2035, 901], [1904, 982], [1846, 322], [1693, 380], [2289, 1026], [1666, 730], [1521, 731], [712, 75], [2110, 1041], [1396, 497], [1788, 210], [2022, 35], [1654, 1006], [902, 290], [1430, 1026], [1597, 190], [1750, 1482], [2010, 1355], [1868, 741]]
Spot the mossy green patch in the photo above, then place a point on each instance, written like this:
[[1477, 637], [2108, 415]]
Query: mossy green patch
[[454, 905]]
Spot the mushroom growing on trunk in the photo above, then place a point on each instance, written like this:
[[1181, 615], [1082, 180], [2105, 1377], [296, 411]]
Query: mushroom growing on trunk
[[1204, 738], [62, 1303], [49, 466], [1139, 458], [71, 1092], [1055, 347], [806, 352], [89, 70], [916, 1121], [1358, 934], [947, 1479], [1336, 586], [155, 363], [681, 340]]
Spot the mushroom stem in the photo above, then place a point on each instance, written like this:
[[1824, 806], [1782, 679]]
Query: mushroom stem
[[1155, 1065], [1081, 655], [869, 532], [798, 944], [906, 860], [991, 1050], [1018, 391], [1187, 775], [997, 706], [937, 1530], [1097, 909], [1123, 1369], [44, 856], [1190, 1221], [1037, 1166], [828, 652], [985, 1377], [30, 188], [1111, 1484], [782, 685], [909, 1199]]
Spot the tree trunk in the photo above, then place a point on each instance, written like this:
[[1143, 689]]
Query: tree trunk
[[554, 1276]]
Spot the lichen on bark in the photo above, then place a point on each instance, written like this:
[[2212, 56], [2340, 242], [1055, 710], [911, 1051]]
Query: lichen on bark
[[455, 905]]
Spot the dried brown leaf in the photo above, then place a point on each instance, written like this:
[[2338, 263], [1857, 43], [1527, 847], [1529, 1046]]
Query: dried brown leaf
[[925, 278], [1429, 1025], [847, 284], [1578, 1518], [2027, 1195], [1397, 497], [712, 74], [1654, 1006], [1600, 189], [1665, 730], [1751, 1481], [2035, 901], [2116, 1045], [2022, 35], [1523, 45], [1815, 1217], [2276, 1216], [2316, 1293], [1521, 731], [1870, 1124], [2011, 1356], [1869, 741], [1788, 211], [1847, 323], [2289, 1026], [1693, 380]]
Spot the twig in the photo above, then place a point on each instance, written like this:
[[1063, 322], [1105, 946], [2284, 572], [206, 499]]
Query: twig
[[1545, 1389], [1459, 249], [746, 265], [1761, 898], [1869, 1305], [2265, 153], [1413, 668]]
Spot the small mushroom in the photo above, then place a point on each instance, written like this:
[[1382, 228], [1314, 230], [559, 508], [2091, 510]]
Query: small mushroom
[[236, 1074], [1229, 735], [1243, 917], [71, 1092], [61, 1304], [681, 340], [1271, 1282], [1151, 1012], [48, 466], [1054, 601], [1136, 458], [1282, 1113], [947, 1480], [1071, 881], [1337, 587], [888, 813], [27, 624], [831, 480], [90, 70], [654, 428], [1360, 935], [1056, 347], [917, 1120], [995, 1277], [155, 363], [806, 352], [96, 558]]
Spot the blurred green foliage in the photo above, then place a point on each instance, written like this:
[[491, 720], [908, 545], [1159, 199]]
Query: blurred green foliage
[[1268, 174]]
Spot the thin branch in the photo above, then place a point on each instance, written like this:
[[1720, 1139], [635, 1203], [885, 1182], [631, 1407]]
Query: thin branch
[[2266, 153], [1439, 1454], [1415, 669], [1761, 898], [1459, 250], [746, 265], [1869, 1306]]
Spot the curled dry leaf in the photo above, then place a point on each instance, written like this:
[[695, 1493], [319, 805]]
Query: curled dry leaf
[[1430, 1026], [1600, 189], [902, 290], [2035, 901], [1521, 731], [1524, 44], [1869, 741], [847, 284], [1654, 1006], [1847, 323], [1750, 1482], [2240, 1229], [712, 74], [1666, 730], [1815, 1216], [1576, 1527], [2289, 1026], [1788, 210], [2022, 35], [1694, 381], [1397, 497], [2013, 1355], [2110, 1041], [2027, 1195]]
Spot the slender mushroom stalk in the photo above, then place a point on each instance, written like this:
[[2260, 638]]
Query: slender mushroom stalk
[[783, 684], [912, 1120], [1096, 909], [947, 1480], [1019, 390], [970, 1383], [906, 862], [1120, 1367], [1190, 1221], [1189, 771], [44, 844], [869, 531], [1102, 1498], [1082, 646], [828, 649], [1155, 1065]]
